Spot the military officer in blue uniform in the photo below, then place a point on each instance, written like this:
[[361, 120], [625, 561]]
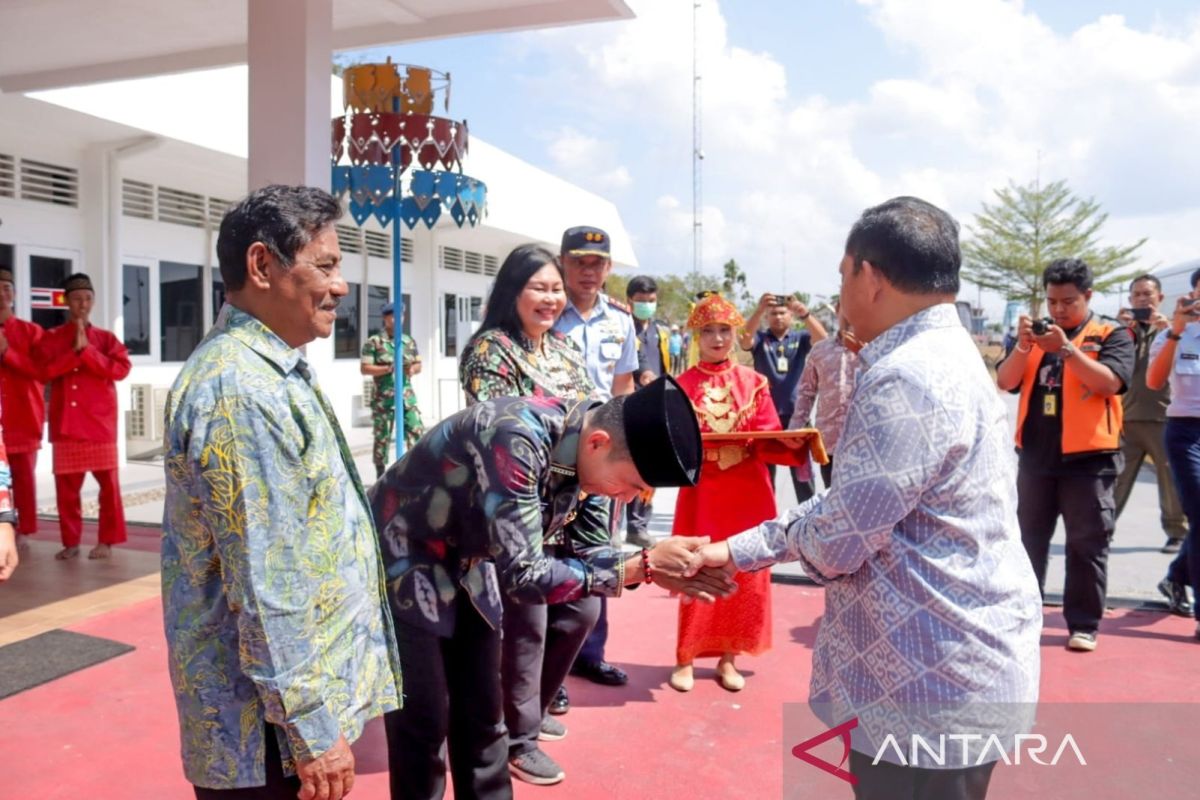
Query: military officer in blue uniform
[[601, 326], [603, 329]]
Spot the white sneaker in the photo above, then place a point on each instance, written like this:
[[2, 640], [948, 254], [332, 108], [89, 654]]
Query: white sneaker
[[1081, 641]]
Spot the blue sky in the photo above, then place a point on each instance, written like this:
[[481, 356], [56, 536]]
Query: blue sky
[[814, 110]]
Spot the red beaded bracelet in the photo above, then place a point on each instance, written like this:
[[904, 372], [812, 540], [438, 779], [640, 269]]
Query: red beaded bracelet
[[646, 574]]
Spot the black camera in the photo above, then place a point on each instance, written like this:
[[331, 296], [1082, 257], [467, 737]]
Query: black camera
[[1041, 326]]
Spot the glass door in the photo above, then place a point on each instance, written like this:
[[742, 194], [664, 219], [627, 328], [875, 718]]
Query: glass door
[[41, 285]]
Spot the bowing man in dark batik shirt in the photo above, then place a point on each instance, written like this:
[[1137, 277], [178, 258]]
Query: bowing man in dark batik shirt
[[463, 517]]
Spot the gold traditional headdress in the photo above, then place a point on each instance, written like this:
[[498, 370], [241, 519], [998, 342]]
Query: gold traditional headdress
[[714, 310]]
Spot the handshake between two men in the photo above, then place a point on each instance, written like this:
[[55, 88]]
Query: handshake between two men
[[691, 566]]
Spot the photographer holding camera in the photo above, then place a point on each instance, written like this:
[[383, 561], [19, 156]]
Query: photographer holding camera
[[1068, 369], [779, 354], [1146, 412]]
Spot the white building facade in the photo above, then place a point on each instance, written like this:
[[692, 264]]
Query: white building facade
[[139, 212]]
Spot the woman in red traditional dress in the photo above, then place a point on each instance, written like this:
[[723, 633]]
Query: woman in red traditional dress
[[734, 493]]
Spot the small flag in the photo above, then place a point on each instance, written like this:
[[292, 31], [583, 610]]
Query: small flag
[[47, 298]]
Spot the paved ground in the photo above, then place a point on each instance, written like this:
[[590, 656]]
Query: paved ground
[[109, 732]]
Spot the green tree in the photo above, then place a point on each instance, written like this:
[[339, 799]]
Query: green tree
[[1013, 240], [615, 285], [733, 285]]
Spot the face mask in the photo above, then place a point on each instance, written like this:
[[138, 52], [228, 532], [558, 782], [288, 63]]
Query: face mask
[[644, 310]]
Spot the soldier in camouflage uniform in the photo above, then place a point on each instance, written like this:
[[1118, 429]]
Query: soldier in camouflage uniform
[[378, 361], [414, 428]]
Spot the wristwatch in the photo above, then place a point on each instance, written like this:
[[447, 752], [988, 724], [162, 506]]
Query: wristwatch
[[1066, 351], [1174, 336]]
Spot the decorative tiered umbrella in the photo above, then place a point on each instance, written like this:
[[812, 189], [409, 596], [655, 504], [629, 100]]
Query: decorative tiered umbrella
[[405, 164]]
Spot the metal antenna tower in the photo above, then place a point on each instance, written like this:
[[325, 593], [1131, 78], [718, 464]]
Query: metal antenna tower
[[697, 150]]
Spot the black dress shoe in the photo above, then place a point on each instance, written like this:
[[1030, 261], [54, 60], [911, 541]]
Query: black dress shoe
[[561, 704], [600, 672], [1172, 546], [1177, 597]]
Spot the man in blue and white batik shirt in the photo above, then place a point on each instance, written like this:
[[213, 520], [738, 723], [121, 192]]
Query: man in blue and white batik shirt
[[932, 612]]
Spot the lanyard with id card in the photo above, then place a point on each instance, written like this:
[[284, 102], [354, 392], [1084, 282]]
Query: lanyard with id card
[[781, 361], [1049, 405]]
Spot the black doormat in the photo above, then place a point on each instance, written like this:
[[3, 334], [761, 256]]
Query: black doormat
[[50, 655]]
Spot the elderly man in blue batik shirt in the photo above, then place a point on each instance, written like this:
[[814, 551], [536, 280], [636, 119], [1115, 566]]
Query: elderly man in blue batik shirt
[[932, 612], [279, 639]]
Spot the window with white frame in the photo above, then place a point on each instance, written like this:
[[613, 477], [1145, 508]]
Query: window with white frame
[[347, 335], [136, 289], [181, 318]]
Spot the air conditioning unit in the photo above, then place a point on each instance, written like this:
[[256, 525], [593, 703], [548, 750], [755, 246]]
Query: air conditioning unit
[[360, 405], [139, 419], [144, 419]]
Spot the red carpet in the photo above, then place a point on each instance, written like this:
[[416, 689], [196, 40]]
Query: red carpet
[[110, 731]]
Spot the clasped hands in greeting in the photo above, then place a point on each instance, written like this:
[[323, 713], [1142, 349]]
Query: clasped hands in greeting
[[681, 564]]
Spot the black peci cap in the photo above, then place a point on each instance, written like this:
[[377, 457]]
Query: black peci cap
[[663, 434], [585, 241], [77, 281]]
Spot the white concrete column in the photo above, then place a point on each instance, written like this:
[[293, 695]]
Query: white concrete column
[[290, 62], [94, 199], [290, 57], [101, 202]]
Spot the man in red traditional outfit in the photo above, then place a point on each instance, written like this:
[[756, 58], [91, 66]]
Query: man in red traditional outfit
[[23, 405], [83, 364]]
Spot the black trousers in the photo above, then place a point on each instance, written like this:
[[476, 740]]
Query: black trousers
[[278, 786], [884, 781], [540, 644], [638, 516], [827, 473], [452, 701], [804, 489], [1089, 514]]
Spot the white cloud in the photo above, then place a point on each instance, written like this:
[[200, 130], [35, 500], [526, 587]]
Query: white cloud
[[587, 160], [996, 95]]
